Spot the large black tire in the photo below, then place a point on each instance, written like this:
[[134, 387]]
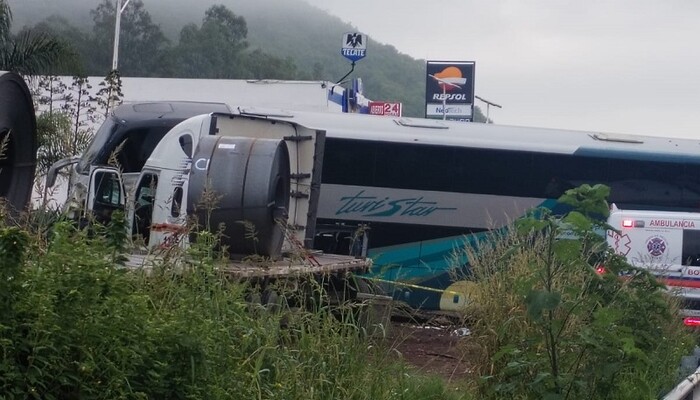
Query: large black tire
[[242, 183], [18, 141]]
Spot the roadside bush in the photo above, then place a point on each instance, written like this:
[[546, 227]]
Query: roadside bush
[[76, 324], [549, 325]]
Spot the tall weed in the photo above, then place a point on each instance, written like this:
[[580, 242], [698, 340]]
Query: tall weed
[[548, 325], [77, 324]]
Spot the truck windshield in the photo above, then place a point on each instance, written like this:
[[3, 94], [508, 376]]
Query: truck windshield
[[106, 131], [126, 146]]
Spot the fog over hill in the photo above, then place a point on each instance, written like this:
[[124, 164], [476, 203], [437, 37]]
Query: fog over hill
[[284, 28]]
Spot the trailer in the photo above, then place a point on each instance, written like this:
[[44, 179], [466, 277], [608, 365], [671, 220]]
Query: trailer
[[252, 180]]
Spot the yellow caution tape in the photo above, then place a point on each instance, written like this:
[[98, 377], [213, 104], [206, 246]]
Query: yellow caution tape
[[411, 285]]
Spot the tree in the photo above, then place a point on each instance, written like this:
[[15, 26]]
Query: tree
[[54, 131], [64, 128], [215, 49], [142, 43], [223, 21], [110, 94], [83, 112], [479, 116], [26, 53], [261, 65], [549, 323], [50, 92], [76, 43]]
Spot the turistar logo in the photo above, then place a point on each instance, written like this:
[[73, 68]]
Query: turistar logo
[[373, 206]]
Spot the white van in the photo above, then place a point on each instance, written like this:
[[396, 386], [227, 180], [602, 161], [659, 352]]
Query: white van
[[667, 243]]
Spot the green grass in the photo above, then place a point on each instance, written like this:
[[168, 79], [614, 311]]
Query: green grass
[[76, 325]]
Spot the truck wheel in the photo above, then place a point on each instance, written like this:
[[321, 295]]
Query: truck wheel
[[242, 183], [18, 141]]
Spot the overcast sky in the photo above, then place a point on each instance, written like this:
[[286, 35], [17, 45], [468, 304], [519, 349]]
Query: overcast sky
[[611, 66]]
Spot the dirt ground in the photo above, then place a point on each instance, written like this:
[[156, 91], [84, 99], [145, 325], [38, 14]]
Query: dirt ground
[[435, 347]]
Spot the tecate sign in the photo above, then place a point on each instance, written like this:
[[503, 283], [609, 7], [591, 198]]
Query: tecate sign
[[354, 46]]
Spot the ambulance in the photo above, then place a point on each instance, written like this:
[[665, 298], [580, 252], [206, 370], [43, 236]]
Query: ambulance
[[667, 243]]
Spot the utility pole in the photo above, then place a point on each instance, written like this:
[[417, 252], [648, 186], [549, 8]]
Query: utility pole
[[117, 27], [488, 105]]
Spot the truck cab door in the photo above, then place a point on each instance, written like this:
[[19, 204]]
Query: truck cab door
[[158, 216], [105, 193], [141, 214]]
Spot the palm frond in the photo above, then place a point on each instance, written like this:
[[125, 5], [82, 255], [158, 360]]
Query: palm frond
[[30, 54]]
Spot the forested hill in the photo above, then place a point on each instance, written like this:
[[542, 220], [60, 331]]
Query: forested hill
[[290, 30]]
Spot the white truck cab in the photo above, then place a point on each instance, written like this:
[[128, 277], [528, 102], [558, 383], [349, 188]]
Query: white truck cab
[[256, 170], [667, 243]]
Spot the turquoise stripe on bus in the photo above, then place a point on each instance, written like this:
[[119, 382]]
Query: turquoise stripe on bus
[[419, 261]]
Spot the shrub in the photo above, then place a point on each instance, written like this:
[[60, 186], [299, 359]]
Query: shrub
[[550, 326], [76, 324]]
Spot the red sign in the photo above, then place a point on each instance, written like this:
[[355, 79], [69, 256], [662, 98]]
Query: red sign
[[385, 108]]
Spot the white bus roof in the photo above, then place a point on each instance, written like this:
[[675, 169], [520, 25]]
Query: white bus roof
[[454, 133]]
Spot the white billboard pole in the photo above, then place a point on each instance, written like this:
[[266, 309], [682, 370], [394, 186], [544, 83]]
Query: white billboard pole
[[444, 85], [117, 26]]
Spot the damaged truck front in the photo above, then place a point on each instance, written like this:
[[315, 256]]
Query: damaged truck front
[[243, 172]]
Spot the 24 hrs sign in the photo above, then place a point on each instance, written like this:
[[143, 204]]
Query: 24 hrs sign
[[392, 109]]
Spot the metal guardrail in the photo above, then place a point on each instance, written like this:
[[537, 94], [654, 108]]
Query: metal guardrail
[[688, 389]]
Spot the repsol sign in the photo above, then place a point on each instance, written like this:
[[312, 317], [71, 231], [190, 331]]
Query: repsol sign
[[450, 96], [449, 83]]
